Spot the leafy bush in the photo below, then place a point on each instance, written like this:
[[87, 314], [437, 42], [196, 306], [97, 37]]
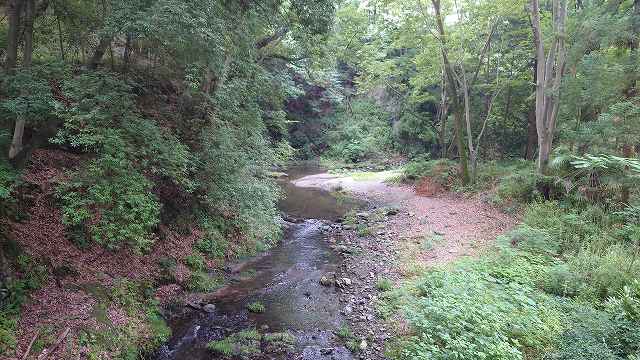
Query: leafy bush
[[532, 240], [233, 171], [202, 281], [443, 172], [468, 314], [111, 202], [360, 132], [518, 188], [28, 94], [606, 271], [212, 244], [562, 281], [569, 228], [594, 335], [195, 262], [256, 307]]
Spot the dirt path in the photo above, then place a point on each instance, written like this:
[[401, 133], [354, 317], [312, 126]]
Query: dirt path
[[418, 233], [462, 225]]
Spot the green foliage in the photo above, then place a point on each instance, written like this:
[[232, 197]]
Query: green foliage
[[242, 344], [195, 262], [201, 281], [518, 188], [212, 244], [33, 276], [256, 307], [595, 334], [384, 284], [443, 172], [109, 200], [344, 332], [361, 131], [233, 171], [462, 314], [28, 93], [112, 202], [7, 178]]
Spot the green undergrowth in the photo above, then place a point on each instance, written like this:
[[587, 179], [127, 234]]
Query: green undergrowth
[[251, 343], [14, 293], [256, 307], [563, 285], [140, 330], [345, 334]]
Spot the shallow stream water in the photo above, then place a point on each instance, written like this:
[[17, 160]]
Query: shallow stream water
[[285, 280]]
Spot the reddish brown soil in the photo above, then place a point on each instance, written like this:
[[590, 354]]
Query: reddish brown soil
[[428, 187], [61, 303], [461, 225]]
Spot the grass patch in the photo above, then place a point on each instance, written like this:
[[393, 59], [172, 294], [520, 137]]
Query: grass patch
[[243, 344], [384, 284], [429, 242], [374, 175], [363, 230], [203, 282], [256, 307], [195, 262]]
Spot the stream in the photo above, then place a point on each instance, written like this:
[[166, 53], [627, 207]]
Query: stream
[[285, 280]]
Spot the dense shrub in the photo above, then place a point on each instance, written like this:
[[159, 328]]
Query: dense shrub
[[33, 275], [109, 199], [112, 203], [441, 171], [360, 131], [467, 314], [592, 334]]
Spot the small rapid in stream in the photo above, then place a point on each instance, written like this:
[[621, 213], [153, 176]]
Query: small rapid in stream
[[285, 280]]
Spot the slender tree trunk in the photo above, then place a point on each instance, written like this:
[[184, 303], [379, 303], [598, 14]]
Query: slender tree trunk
[[207, 82], [14, 10], [98, 53], [444, 114], [458, 117], [18, 132], [458, 107], [532, 135], [60, 38], [473, 156], [548, 78], [127, 51]]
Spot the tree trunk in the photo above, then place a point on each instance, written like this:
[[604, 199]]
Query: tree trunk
[[29, 13], [60, 39], [548, 77], [462, 149], [467, 117], [98, 53], [18, 132], [444, 114], [14, 10], [127, 51], [532, 135]]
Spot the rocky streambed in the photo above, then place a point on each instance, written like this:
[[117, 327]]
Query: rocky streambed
[[299, 300]]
